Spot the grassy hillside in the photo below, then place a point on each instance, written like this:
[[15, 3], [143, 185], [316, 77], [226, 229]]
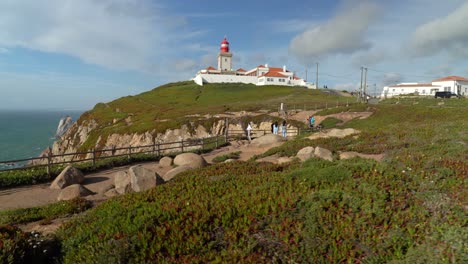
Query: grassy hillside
[[168, 106], [409, 208]]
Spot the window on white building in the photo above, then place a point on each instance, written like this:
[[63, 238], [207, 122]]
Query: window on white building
[[423, 91], [447, 88]]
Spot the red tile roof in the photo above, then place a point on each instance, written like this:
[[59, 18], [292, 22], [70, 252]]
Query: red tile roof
[[241, 70], [260, 66], [274, 74], [211, 68], [451, 78]]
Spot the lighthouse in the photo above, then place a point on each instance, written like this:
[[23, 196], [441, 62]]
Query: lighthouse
[[224, 57]]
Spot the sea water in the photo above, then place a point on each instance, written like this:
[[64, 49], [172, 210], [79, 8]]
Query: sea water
[[25, 134]]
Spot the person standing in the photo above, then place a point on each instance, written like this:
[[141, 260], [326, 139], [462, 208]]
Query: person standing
[[249, 129], [283, 128], [312, 121], [275, 128]]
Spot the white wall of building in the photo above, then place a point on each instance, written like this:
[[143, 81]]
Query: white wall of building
[[453, 86], [390, 91], [223, 78]]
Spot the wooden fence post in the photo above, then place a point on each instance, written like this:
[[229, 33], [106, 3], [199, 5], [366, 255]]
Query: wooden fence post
[[159, 150], [94, 157], [154, 145], [216, 146], [129, 152], [203, 144], [182, 145], [49, 160]]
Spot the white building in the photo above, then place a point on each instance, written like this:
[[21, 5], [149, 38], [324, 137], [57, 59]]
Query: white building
[[260, 75], [454, 84]]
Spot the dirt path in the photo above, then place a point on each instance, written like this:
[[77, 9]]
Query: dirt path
[[41, 194]]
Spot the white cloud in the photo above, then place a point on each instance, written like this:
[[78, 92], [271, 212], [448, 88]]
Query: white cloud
[[117, 34], [449, 34], [345, 33]]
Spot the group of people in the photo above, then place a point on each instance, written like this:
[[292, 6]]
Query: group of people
[[274, 129]]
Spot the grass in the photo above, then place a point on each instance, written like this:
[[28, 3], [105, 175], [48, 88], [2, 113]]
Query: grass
[[169, 107], [222, 158], [408, 208]]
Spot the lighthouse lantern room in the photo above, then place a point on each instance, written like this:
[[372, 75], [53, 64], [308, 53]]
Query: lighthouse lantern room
[[224, 57]]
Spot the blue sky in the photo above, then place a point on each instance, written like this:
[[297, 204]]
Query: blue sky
[[70, 54]]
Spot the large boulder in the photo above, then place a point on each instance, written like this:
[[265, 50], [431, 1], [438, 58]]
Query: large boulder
[[305, 153], [323, 153], [268, 140], [142, 179], [175, 171], [122, 182], [73, 191], [70, 175], [165, 161], [190, 159]]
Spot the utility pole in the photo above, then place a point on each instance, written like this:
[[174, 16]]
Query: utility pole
[[316, 77], [365, 85], [360, 88]]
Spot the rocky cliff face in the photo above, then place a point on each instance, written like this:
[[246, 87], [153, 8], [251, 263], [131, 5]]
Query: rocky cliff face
[[64, 124], [77, 135]]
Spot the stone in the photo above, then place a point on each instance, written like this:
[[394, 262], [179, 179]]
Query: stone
[[142, 179], [165, 161], [190, 159], [267, 140], [73, 191], [175, 171], [229, 160], [305, 153], [341, 133], [122, 182], [323, 153], [111, 193], [282, 160], [106, 188], [70, 175]]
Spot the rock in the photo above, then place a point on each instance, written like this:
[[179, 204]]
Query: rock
[[305, 153], [142, 179], [106, 188], [351, 154], [335, 132], [73, 191], [190, 159], [229, 160], [111, 193], [323, 153], [64, 124], [283, 160], [341, 133], [70, 175], [175, 171], [122, 182], [165, 161], [267, 140]]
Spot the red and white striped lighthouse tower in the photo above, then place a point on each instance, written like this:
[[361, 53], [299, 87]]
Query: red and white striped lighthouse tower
[[224, 45], [224, 57]]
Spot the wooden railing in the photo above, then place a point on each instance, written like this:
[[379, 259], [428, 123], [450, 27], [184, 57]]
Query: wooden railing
[[157, 149]]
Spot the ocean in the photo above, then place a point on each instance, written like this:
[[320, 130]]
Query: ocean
[[25, 134]]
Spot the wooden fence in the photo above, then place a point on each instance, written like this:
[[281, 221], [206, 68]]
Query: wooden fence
[[157, 149]]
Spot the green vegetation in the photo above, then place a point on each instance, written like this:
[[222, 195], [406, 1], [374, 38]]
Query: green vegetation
[[409, 208], [46, 213], [222, 158], [173, 105]]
